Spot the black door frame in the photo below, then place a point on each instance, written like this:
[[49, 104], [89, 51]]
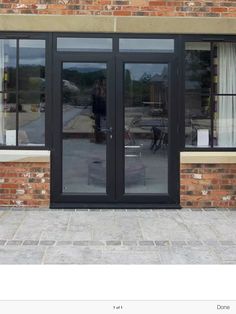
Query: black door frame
[[115, 197], [153, 200], [58, 198]]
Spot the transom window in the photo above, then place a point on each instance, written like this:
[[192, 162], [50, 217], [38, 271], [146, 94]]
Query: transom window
[[84, 44], [22, 92]]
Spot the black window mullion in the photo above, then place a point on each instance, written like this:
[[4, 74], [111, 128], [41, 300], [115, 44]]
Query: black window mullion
[[17, 91], [212, 98]]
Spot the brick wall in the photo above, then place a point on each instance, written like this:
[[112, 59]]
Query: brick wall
[[206, 8], [201, 185], [208, 185], [24, 184]]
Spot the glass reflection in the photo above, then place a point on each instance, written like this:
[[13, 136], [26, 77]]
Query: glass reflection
[[84, 127], [84, 44], [197, 120], [31, 111], [7, 119], [7, 65], [146, 45], [198, 67], [32, 65], [146, 128]]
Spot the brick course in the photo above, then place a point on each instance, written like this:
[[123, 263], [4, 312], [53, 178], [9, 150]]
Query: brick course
[[208, 185], [201, 8], [24, 184]]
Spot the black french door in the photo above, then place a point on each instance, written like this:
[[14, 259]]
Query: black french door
[[115, 131], [84, 126], [147, 131]]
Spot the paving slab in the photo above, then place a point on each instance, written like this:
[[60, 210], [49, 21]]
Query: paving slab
[[184, 236], [21, 255]]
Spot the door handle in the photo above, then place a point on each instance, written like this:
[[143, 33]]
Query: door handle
[[107, 130]]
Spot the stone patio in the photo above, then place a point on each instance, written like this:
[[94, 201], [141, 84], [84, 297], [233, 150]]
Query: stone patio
[[32, 236]]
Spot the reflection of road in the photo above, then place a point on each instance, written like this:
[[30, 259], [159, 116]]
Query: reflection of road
[[69, 114], [35, 129]]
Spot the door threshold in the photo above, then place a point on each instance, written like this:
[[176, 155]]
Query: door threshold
[[122, 206]]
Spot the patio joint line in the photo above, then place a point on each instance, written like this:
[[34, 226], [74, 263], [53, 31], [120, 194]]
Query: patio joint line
[[21, 223]]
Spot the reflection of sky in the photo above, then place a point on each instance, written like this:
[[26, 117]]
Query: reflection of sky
[[144, 44], [84, 44], [138, 70], [31, 51], [33, 61], [85, 67]]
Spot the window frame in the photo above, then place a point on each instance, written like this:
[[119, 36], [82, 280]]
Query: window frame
[[48, 86], [212, 39], [179, 52]]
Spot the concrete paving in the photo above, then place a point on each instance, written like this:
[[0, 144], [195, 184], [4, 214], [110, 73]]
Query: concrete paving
[[31, 236]]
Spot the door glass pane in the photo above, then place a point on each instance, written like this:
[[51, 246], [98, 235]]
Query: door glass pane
[[146, 128], [146, 45], [84, 127], [84, 44]]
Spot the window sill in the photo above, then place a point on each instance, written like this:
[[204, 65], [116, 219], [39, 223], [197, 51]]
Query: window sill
[[24, 156], [208, 157]]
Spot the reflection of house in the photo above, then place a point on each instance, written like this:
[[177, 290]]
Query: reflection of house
[[158, 89]]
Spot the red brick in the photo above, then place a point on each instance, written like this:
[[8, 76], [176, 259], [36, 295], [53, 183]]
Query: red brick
[[122, 7], [217, 179], [24, 176]]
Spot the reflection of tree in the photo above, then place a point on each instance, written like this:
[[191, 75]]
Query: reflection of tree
[[146, 78], [198, 76], [198, 69], [32, 77], [83, 80], [31, 84], [11, 82], [137, 90]]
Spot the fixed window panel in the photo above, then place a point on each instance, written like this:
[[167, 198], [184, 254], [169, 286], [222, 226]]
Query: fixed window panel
[[146, 45], [197, 67], [197, 120], [84, 44], [225, 68], [7, 119], [225, 121], [32, 65], [31, 111], [7, 65]]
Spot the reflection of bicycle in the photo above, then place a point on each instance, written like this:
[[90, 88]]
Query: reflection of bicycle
[[129, 136], [160, 139]]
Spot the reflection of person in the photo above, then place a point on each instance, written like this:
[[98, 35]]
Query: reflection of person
[[99, 107]]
